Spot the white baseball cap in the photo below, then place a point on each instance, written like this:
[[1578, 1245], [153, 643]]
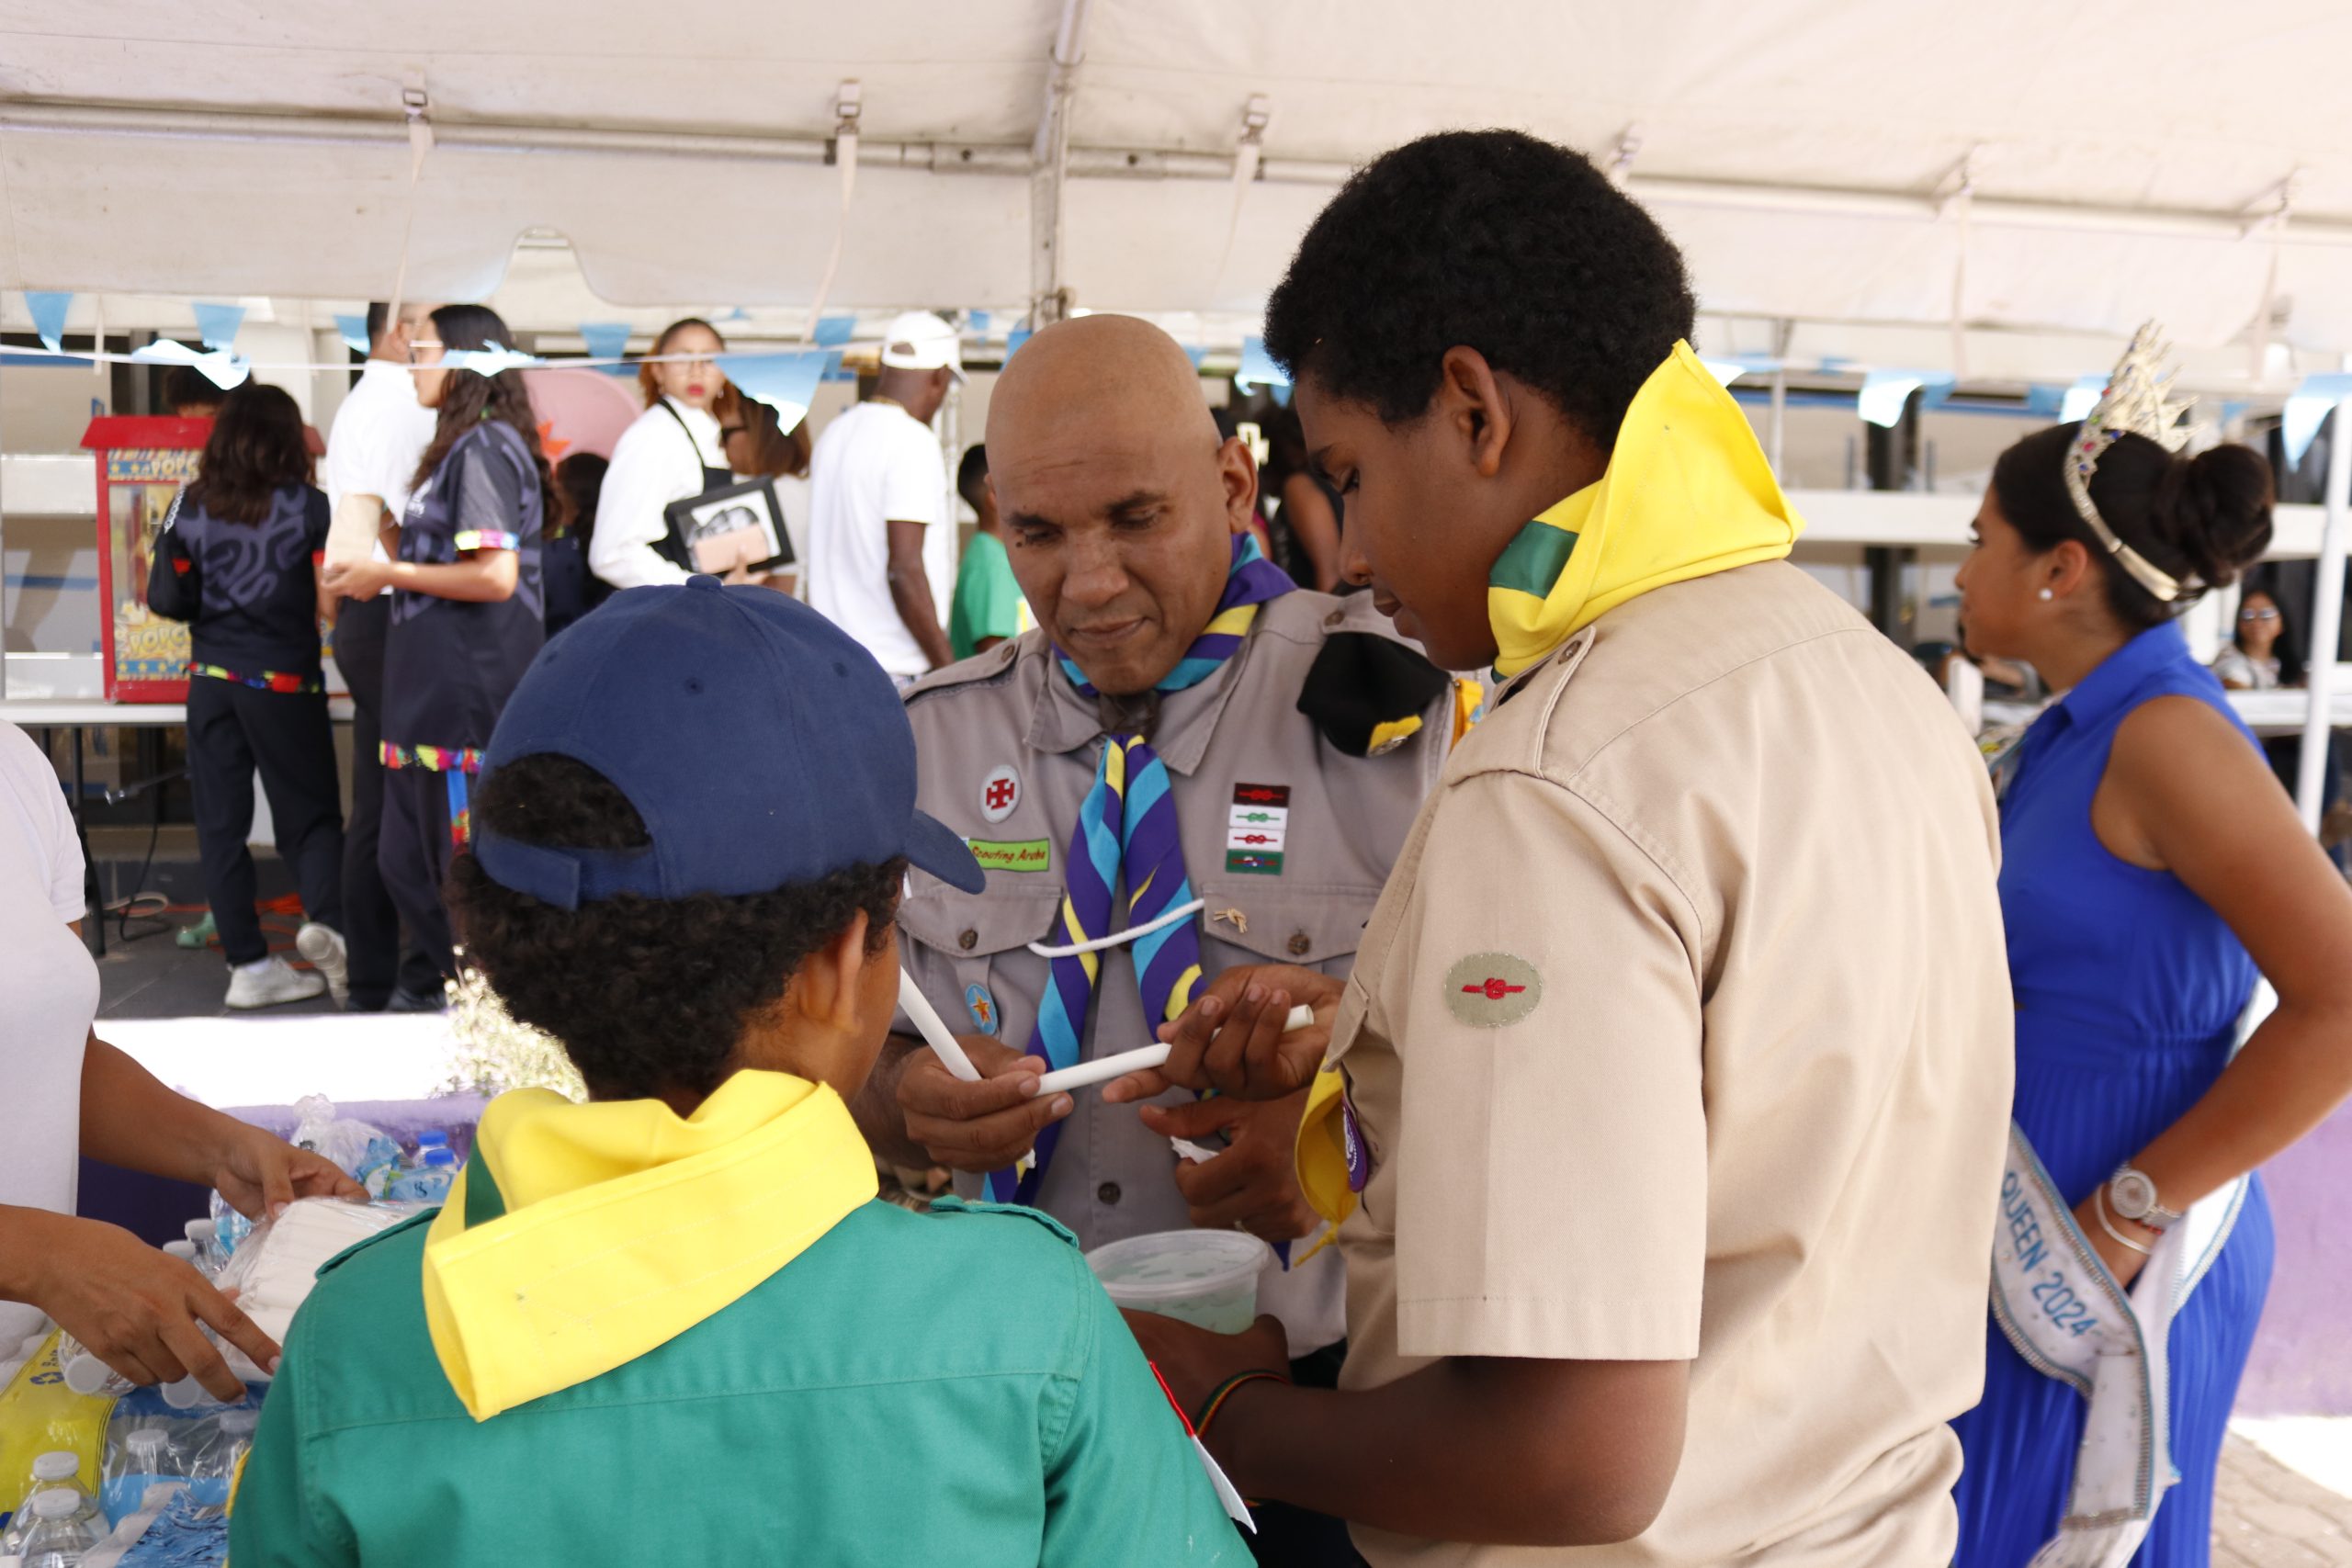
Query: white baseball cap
[[919, 341]]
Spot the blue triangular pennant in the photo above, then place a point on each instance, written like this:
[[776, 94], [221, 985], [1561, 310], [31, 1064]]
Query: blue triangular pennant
[[48, 314], [834, 331], [606, 340], [785, 382], [218, 324], [355, 332]]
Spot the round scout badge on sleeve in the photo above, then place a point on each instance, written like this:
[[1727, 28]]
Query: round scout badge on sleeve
[[982, 1007], [1489, 991], [1000, 793]]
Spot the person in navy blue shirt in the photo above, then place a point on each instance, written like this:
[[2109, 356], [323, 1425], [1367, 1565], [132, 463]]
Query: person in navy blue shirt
[[238, 563], [469, 613]]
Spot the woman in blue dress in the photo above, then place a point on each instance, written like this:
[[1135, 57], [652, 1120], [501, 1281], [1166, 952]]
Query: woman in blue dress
[[2150, 864]]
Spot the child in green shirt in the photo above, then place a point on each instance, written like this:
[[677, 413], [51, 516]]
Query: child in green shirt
[[675, 1325], [988, 606]]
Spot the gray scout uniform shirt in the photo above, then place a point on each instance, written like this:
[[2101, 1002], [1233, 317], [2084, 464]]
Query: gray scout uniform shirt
[[1008, 751]]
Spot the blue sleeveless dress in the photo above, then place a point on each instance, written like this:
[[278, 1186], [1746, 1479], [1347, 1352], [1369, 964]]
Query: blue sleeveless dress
[[2128, 989]]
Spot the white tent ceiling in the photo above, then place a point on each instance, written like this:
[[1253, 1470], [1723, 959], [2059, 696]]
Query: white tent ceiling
[[2122, 161]]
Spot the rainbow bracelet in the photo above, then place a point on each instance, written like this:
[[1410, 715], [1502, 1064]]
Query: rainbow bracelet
[[1224, 1392]]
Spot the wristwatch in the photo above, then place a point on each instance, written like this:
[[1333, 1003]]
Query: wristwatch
[[2133, 1196]]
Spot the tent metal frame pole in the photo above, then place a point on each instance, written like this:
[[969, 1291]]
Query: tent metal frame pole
[[33, 117], [2327, 618], [1049, 155]]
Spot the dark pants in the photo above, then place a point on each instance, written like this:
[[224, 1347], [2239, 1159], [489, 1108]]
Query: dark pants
[[378, 961], [1294, 1537], [233, 730], [413, 856]]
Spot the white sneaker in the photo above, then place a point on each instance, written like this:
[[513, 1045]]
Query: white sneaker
[[271, 983], [322, 946]]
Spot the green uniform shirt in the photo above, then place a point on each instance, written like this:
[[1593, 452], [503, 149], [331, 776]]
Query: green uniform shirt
[[988, 599], [948, 1388]]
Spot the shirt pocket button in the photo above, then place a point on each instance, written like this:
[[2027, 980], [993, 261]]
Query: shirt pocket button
[[968, 941], [1300, 944]]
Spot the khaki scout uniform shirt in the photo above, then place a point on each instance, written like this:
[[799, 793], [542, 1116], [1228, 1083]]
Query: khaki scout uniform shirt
[[1007, 748], [1683, 1033]]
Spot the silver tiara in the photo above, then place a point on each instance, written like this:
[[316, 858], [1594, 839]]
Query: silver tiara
[[2134, 403]]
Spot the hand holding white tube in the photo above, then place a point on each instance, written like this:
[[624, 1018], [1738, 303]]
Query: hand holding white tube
[[935, 1033], [1103, 1069]]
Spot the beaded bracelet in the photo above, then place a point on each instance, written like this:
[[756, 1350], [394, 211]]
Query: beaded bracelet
[[1224, 1392]]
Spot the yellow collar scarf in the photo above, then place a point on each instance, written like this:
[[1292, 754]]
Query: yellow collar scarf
[[1687, 493], [580, 1237]]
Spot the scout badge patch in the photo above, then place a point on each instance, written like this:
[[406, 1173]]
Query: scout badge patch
[[1256, 828], [1491, 990], [1000, 793]]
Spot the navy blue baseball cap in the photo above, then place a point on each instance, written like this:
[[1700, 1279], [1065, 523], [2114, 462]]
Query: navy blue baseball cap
[[761, 745]]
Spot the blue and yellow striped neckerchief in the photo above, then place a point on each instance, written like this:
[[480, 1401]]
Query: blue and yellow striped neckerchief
[[1127, 823]]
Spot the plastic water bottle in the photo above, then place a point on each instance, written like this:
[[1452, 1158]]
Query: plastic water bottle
[[56, 1471], [59, 1535], [85, 1373], [229, 1227], [205, 1236], [214, 1469], [378, 1166], [237, 1428], [428, 1182], [143, 1458]]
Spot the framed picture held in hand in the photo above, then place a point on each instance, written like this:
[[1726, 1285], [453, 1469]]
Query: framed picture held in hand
[[735, 529]]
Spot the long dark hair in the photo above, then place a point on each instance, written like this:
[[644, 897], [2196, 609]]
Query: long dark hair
[[468, 398], [255, 451], [2204, 518]]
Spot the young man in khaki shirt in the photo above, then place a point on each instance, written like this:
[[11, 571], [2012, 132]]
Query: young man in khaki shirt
[[1667, 1100]]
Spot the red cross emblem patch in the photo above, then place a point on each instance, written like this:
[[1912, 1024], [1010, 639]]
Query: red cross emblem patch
[[999, 793]]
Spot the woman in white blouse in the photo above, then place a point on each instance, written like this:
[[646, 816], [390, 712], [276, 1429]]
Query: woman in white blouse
[[671, 452], [68, 1093]]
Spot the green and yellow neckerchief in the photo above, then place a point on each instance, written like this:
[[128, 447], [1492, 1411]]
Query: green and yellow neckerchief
[[580, 1237], [1687, 493]]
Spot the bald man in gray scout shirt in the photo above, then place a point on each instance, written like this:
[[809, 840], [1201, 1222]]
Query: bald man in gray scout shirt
[[1268, 746]]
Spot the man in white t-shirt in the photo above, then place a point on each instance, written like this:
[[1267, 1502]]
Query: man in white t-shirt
[[881, 538], [378, 434]]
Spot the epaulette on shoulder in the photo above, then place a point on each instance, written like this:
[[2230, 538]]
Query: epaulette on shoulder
[[982, 669], [1368, 694], [356, 1248], [952, 1205]]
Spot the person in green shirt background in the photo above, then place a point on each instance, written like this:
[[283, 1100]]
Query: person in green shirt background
[[988, 606], [675, 1324]]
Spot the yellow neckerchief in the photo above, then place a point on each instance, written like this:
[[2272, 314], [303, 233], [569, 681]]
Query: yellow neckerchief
[[1687, 493], [580, 1237]]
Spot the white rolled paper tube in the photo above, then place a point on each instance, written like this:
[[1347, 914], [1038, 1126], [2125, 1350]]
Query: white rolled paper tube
[[1104, 1068], [935, 1033]]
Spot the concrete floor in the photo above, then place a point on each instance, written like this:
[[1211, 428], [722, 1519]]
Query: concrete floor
[[149, 975]]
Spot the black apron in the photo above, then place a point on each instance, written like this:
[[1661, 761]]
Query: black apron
[[672, 548]]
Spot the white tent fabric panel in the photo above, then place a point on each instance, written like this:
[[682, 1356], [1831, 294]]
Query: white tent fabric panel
[[1797, 148]]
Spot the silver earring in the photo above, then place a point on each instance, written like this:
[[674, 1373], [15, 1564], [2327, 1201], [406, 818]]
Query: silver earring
[[2045, 594]]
